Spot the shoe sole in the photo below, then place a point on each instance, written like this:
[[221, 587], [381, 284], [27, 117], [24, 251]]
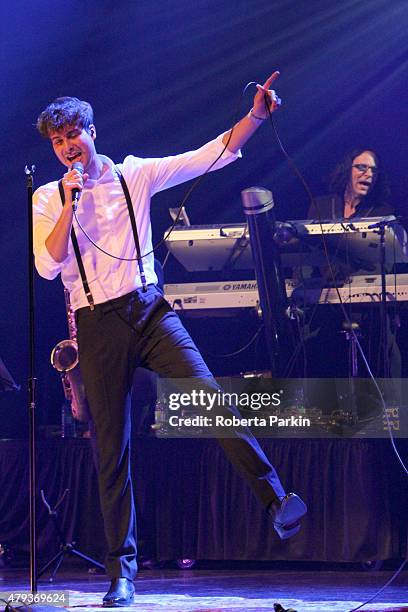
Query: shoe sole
[[118, 604]]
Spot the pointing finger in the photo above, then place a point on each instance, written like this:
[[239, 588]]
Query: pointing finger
[[271, 79]]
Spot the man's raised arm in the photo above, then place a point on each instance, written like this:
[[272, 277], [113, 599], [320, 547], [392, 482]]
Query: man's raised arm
[[244, 129]]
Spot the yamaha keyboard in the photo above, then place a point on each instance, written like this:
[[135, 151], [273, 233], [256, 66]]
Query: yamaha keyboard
[[227, 247], [230, 297]]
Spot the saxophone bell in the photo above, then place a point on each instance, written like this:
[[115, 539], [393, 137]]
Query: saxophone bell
[[65, 359], [64, 356]]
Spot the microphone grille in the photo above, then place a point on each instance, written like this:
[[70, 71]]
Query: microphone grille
[[78, 166]]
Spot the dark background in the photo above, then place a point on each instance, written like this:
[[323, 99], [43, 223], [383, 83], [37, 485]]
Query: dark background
[[166, 76]]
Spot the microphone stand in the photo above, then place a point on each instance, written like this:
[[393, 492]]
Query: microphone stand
[[29, 171]]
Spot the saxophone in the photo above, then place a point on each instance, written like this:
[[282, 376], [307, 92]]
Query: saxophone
[[65, 359]]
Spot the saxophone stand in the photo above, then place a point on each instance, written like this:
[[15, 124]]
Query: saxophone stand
[[65, 548]]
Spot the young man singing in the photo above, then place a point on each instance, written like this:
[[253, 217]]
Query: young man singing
[[123, 320]]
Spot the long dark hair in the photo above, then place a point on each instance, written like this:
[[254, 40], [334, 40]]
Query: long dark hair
[[339, 178]]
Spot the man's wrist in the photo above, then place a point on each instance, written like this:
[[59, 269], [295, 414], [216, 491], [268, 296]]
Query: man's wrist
[[252, 115]]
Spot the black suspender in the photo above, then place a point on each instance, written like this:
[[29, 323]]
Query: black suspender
[[134, 228], [78, 256], [135, 236]]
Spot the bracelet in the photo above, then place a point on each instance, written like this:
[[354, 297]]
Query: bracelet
[[251, 114]]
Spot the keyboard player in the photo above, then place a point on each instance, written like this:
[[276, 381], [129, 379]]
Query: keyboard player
[[359, 188]]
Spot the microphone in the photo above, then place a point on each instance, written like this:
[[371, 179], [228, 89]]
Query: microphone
[[76, 193]]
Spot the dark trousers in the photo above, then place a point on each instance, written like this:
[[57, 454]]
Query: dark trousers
[[140, 329]]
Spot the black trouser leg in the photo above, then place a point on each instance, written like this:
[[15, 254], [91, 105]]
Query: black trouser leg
[[169, 350], [104, 357]]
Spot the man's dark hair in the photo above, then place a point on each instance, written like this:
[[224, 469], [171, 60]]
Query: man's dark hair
[[62, 112], [339, 178]]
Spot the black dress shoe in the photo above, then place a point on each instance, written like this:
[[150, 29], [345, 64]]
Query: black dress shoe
[[287, 514], [120, 594]]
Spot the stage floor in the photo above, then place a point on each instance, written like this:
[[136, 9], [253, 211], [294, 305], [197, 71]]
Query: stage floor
[[238, 589]]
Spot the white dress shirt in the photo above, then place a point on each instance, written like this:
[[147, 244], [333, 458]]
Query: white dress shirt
[[103, 213]]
